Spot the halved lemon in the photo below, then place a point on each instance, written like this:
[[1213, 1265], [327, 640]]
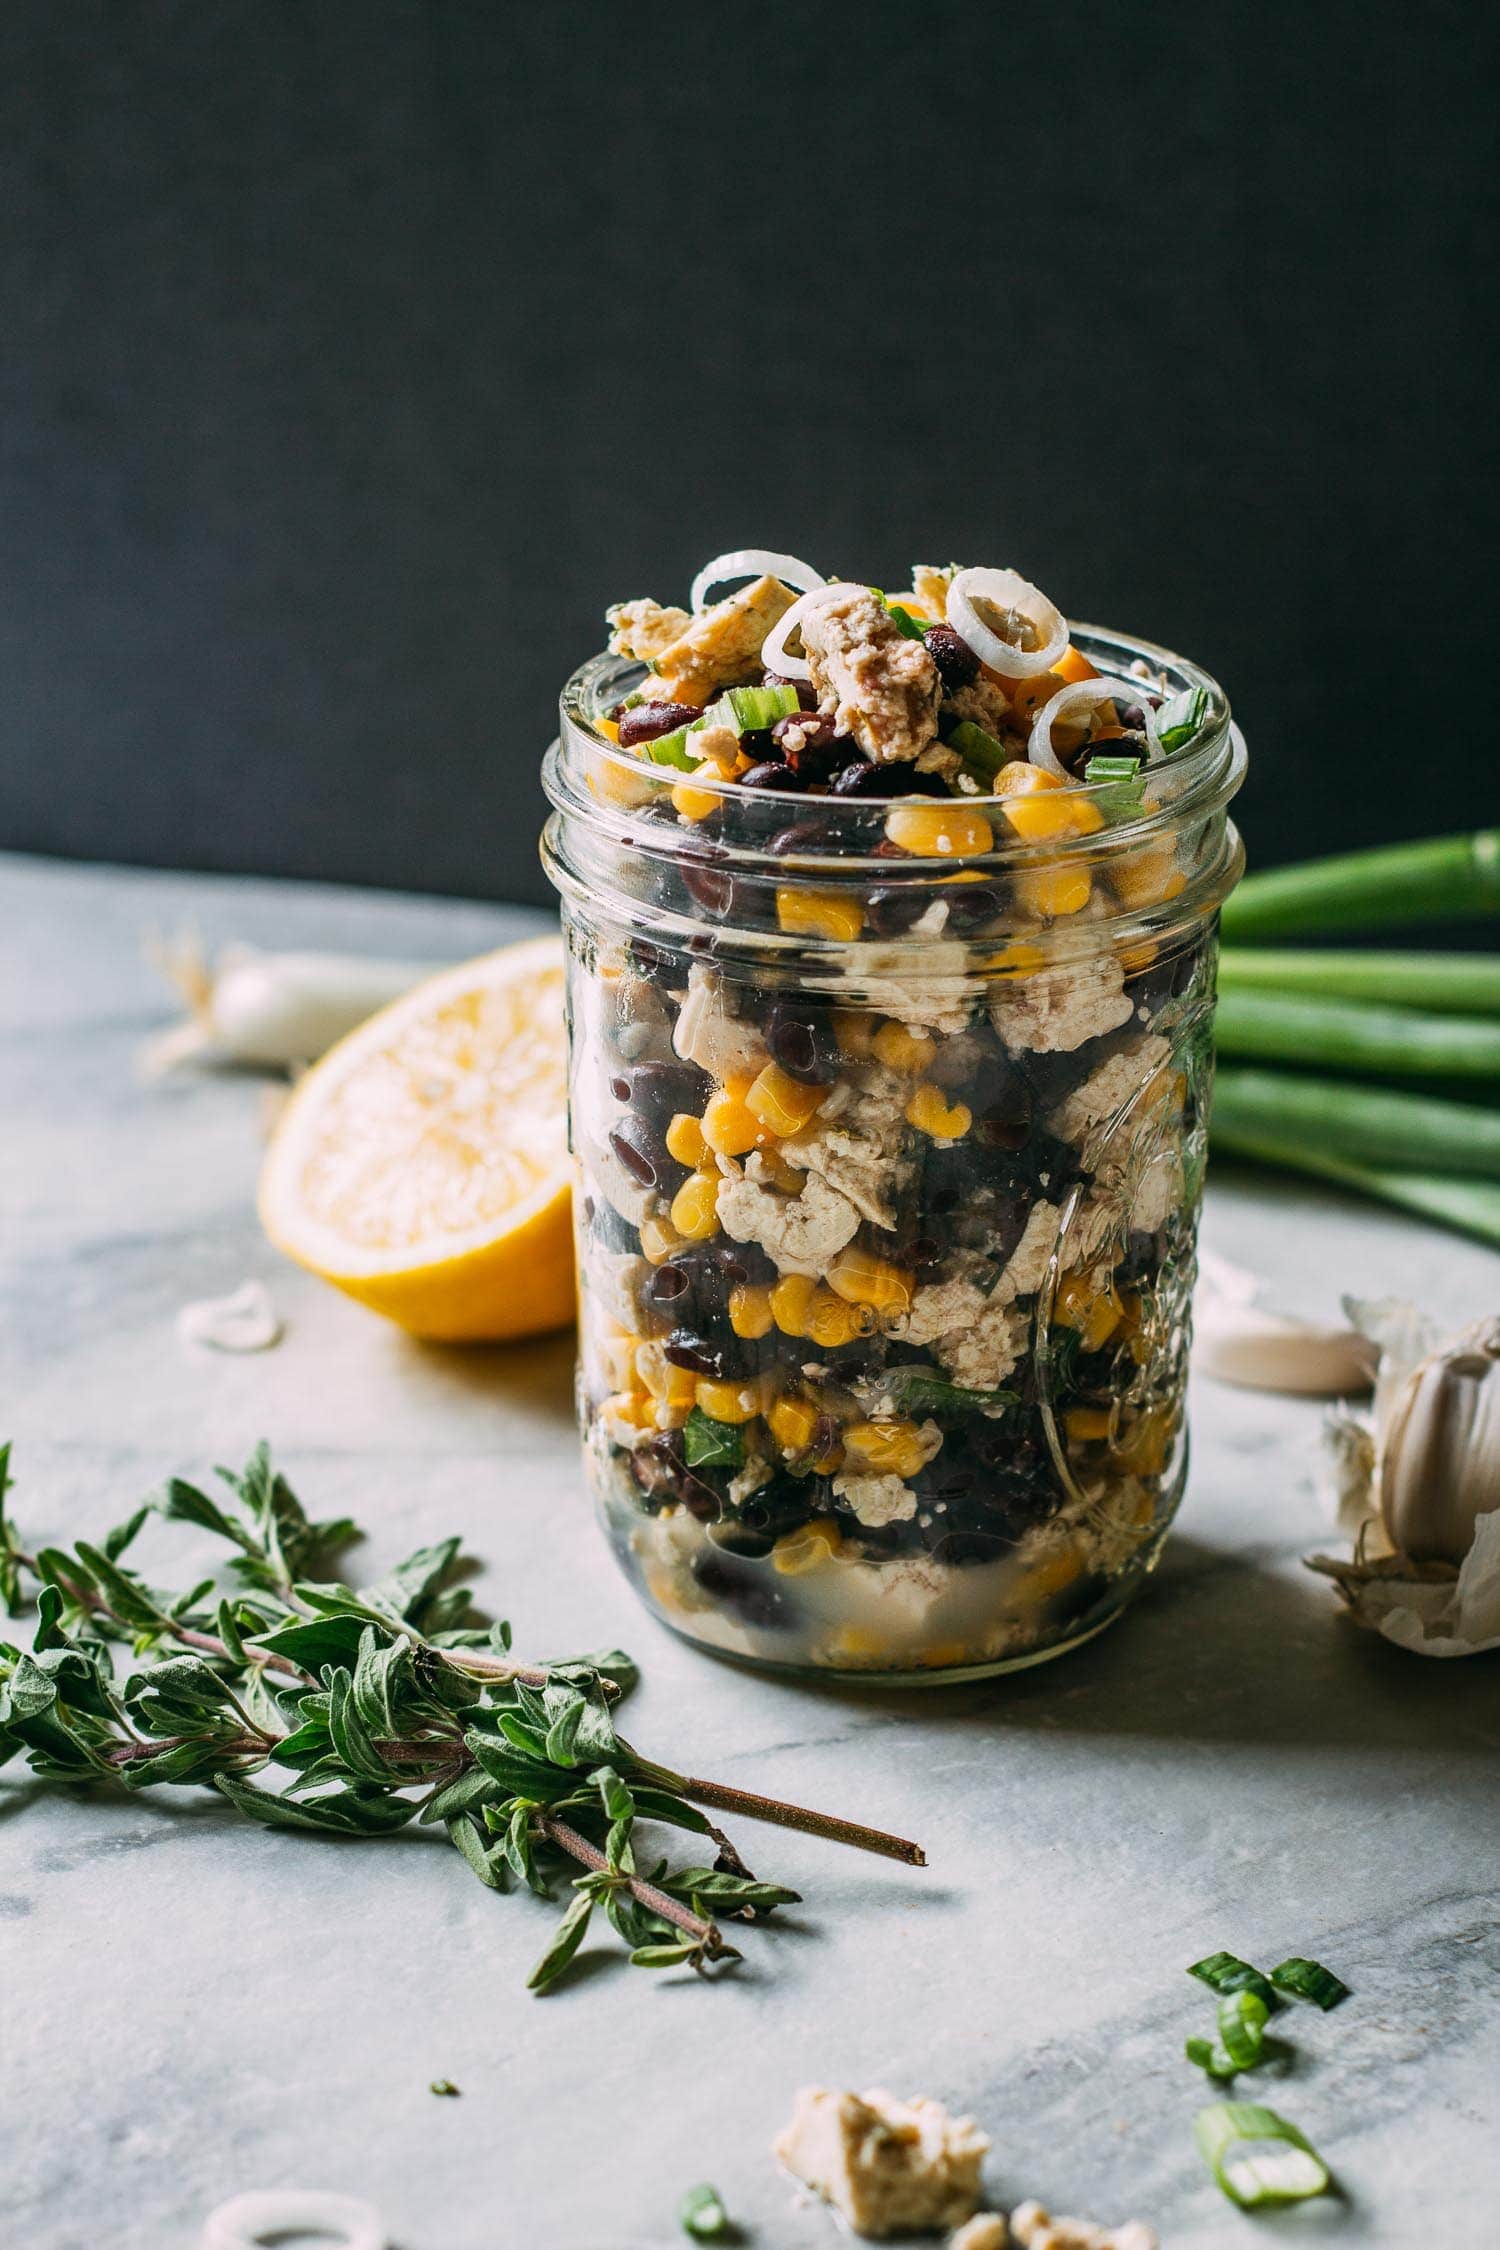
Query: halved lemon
[[422, 1166]]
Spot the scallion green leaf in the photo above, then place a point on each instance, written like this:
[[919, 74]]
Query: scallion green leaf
[[1309, 1980], [1242, 2027], [748, 710], [710, 1444], [1443, 878], [981, 753], [1101, 768], [702, 2215], [672, 750], [913, 628], [1180, 717], [1226, 1972], [1209, 2056], [1256, 2157]]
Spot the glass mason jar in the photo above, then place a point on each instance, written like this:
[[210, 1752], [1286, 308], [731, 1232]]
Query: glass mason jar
[[890, 1119]]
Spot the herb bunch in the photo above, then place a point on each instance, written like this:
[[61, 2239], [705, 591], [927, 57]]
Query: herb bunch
[[371, 1708]]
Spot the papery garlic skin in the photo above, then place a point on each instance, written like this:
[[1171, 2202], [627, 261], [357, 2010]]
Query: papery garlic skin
[[1438, 1463]]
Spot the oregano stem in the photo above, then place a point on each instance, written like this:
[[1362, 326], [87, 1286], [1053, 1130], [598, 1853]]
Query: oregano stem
[[706, 1934], [749, 1806]]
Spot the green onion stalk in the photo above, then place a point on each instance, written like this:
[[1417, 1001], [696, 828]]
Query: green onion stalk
[[1441, 879], [1447, 984]]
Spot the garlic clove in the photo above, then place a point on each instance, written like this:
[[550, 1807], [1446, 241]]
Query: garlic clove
[[244, 1321], [1238, 1341], [1438, 1467]]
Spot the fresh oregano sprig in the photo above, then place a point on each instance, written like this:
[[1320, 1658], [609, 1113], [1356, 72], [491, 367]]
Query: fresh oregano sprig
[[372, 1708]]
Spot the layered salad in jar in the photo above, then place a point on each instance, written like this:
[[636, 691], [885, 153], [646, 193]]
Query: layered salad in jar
[[891, 921]]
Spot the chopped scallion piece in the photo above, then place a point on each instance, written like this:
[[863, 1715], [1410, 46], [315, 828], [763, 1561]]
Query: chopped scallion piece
[[1242, 2027], [912, 627], [919, 1390], [1180, 717], [702, 2215], [672, 750], [747, 710], [1309, 1980], [1257, 2157], [981, 753], [1100, 768], [1226, 1972], [1209, 2056], [710, 1444]]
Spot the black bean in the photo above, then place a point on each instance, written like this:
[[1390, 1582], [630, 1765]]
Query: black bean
[[659, 1091], [648, 721], [724, 1357], [711, 886], [773, 775], [865, 779], [1008, 1122], [644, 1156], [806, 836], [803, 1041], [892, 909], [952, 655], [971, 907]]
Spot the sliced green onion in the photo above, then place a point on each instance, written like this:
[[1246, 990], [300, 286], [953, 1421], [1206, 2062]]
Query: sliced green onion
[[710, 1444], [749, 710], [702, 2215], [921, 1390], [672, 750], [1470, 1206], [1209, 2056], [1257, 2157], [1124, 791], [1100, 768], [1242, 2027], [1309, 1980], [1180, 717], [1361, 1124], [1356, 1035], [914, 628], [1449, 984], [1444, 878], [981, 753], [1226, 1972]]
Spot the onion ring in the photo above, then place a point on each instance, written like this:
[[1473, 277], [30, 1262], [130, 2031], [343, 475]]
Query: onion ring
[[773, 653], [753, 562], [1079, 695], [1007, 589]]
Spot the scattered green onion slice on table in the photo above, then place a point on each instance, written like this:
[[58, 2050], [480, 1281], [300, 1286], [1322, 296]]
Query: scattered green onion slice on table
[[702, 2215], [710, 1444], [981, 753], [1209, 2056], [1226, 1972], [1242, 2026], [1256, 2157], [1309, 1980]]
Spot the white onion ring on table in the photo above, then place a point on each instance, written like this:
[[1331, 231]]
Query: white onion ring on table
[[754, 562], [1007, 589], [773, 651], [1080, 695]]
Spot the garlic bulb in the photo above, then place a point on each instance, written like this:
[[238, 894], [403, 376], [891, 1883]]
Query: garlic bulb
[[1417, 1486], [1439, 1456]]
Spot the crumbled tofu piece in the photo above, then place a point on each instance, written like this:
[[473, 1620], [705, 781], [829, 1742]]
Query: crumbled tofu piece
[[939, 758], [709, 1035], [614, 1278], [799, 1233], [1056, 1009], [983, 702], [987, 2230], [929, 582], [1106, 1090], [1127, 1197], [861, 1151], [1026, 1268], [756, 1472], [890, 2167], [877, 1500], [881, 688], [643, 629], [719, 745], [722, 644], [978, 1338], [927, 987], [1035, 2229], [622, 1189]]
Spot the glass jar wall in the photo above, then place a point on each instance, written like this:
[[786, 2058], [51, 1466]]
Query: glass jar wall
[[890, 1120]]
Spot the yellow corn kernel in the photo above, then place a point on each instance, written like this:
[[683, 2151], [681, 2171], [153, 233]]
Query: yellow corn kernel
[[695, 1207], [828, 914], [1065, 888], [1148, 877], [791, 1422], [1086, 1423], [932, 1113], [830, 1322], [1136, 959], [750, 1312], [854, 1028], [684, 1138], [1053, 1573], [857, 1645], [659, 1239], [1148, 1443], [728, 1402], [1040, 807], [863, 1279], [729, 1127], [616, 1357], [1094, 1313], [944, 829], [669, 1413], [695, 804], [781, 1174], [633, 1407], [909, 1052], [1028, 696], [889, 1445], [944, 1653], [1018, 960], [791, 1301], [661, 1378], [809, 1548], [781, 1102], [622, 785]]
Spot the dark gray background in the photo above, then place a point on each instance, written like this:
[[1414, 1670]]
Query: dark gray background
[[355, 356]]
